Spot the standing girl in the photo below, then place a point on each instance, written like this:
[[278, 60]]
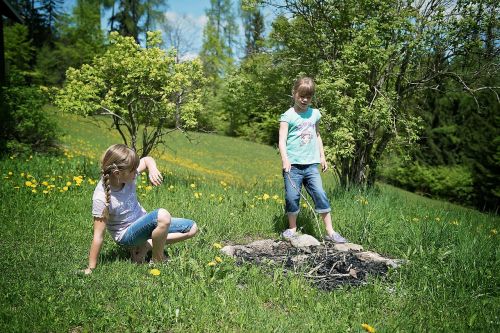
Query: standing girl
[[301, 151], [115, 207]]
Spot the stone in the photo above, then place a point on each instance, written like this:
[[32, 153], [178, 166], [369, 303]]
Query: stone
[[369, 256], [305, 240], [264, 245], [344, 247]]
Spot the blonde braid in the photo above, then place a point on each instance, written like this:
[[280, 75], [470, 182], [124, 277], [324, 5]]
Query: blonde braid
[[107, 192]]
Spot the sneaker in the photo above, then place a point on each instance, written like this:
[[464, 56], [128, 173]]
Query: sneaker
[[336, 238], [288, 233]]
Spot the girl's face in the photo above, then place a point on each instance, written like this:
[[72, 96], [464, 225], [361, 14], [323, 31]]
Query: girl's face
[[302, 101], [127, 176]]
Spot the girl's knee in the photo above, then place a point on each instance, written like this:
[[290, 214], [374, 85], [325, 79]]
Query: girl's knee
[[193, 231], [164, 217]]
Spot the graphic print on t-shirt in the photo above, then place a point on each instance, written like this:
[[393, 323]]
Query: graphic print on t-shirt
[[306, 135]]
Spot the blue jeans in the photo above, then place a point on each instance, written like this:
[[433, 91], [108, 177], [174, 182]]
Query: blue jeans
[[307, 174], [140, 231]]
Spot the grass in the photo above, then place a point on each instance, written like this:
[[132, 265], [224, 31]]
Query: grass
[[233, 189]]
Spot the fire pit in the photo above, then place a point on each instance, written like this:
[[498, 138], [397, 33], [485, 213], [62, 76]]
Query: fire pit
[[326, 265]]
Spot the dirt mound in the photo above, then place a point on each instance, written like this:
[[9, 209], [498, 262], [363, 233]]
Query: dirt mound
[[326, 265]]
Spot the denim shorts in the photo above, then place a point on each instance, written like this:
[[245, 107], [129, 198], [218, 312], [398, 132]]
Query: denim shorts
[[140, 231], [308, 175]]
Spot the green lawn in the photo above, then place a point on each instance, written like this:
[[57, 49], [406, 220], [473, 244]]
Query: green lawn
[[233, 189]]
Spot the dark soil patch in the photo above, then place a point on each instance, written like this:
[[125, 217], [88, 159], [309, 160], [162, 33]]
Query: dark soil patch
[[326, 267]]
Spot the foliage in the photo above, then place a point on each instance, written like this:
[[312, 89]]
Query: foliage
[[79, 40], [142, 89], [453, 183], [28, 127], [19, 50], [253, 97]]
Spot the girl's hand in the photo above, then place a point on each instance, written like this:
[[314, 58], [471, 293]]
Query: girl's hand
[[286, 166], [155, 176], [324, 165]]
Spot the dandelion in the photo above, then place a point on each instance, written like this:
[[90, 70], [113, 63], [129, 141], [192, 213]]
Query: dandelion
[[252, 206], [368, 328], [33, 190], [223, 183], [193, 185], [22, 174], [196, 195], [304, 205], [45, 191], [455, 222], [68, 183], [171, 187], [10, 173], [148, 188], [276, 197], [494, 232], [155, 272], [217, 245], [437, 219], [45, 184], [65, 188], [265, 196], [28, 183], [212, 263]]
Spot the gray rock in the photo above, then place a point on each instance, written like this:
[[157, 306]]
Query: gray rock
[[304, 241], [370, 256], [264, 245], [348, 247]]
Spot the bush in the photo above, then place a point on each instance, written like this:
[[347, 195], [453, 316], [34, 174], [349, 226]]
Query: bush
[[27, 126], [454, 183]]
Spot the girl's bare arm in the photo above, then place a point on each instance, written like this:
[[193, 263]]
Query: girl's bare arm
[[95, 247], [154, 174], [283, 134], [324, 164]]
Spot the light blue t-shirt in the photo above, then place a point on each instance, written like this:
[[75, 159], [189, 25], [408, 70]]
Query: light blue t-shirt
[[302, 141]]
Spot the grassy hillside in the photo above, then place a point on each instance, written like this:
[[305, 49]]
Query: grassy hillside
[[233, 189]]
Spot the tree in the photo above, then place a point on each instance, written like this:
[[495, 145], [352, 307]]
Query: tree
[[370, 58], [219, 38], [253, 25], [138, 88]]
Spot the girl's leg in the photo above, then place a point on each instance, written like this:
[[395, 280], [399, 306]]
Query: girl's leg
[[159, 235], [181, 229], [293, 185]]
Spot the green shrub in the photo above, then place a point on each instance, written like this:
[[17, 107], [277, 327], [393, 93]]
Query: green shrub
[[27, 126], [454, 183]]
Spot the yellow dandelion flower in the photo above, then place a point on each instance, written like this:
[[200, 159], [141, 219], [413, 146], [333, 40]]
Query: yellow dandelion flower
[[65, 188], [455, 222], [265, 196], [148, 188], [196, 195], [252, 206], [193, 185], [212, 263], [171, 187], [45, 191], [45, 184], [368, 328], [223, 183], [10, 173], [494, 231], [28, 183], [218, 259], [68, 183], [304, 205], [33, 190], [155, 272], [276, 197], [139, 186], [217, 245], [22, 174], [438, 219]]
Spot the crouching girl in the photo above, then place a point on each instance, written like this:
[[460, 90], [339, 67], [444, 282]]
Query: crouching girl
[[115, 207]]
